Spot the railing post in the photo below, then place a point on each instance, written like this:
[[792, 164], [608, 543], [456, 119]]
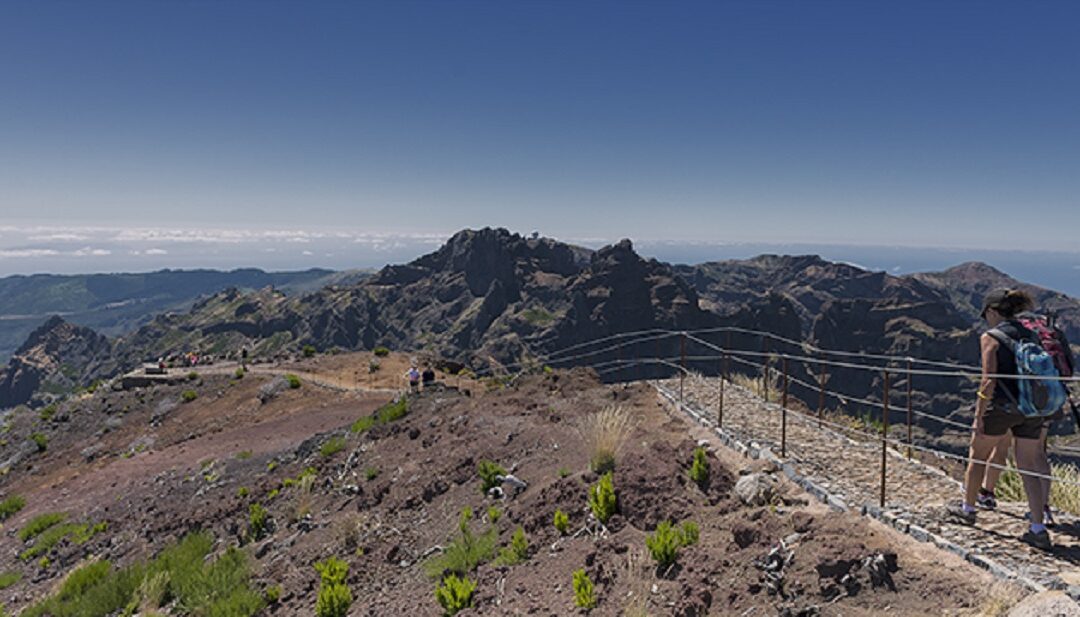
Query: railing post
[[682, 364], [821, 394], [783, 412], [884, 434], [909, 412], [765, 375]]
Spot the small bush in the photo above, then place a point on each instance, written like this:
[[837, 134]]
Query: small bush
[[562, 522], [699, 469], [665, 542], [605, 433], [583, 591], [488, 470], [381, 351], [11, 506], [272, 594], [602, 500], [192, 376], [47, 413], [563, 472], [35, 526], [334, 597], [309, 351], [271, 466], [242, 492], [373, 366], [41, 442], [390, 412], [257, 522], [7, 579], [293, 381], [332, 446], [517, 552], [455, 594], [188, 395], [244, 455], [494, 514], [371, 473], [239, 372], [466, 551]]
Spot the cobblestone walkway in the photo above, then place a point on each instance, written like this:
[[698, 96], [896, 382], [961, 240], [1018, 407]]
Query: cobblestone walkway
[[850, 470]]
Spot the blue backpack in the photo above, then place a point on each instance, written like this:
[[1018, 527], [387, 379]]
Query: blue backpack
[[1039, 398]]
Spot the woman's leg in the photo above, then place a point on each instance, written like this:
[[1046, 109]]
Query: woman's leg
[[1046, 465], [981, 448], [1030, 458], [997, 460]]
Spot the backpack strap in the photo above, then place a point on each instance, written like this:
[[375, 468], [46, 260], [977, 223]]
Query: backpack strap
[[1006, 340]]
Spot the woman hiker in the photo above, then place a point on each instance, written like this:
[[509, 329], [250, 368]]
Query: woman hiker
[[996, 414]]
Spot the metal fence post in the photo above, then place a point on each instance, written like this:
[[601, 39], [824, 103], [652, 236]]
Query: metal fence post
[[884, 434], [783, 412], [720, 397], [909, 413], [765, 375], [682, 364]]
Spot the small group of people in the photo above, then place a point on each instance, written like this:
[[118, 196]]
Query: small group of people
[[416, 377], [1004, 413]]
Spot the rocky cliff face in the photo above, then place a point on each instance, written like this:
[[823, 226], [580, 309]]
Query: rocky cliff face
[[57, 358]]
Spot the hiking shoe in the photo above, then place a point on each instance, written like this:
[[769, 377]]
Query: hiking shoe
[[957, 513], [986, 499], [1039, 540], [1048, 518]]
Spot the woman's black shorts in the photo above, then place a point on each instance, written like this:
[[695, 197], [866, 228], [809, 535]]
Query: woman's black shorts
[[999, 420]]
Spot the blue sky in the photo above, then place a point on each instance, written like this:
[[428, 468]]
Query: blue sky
[[904, 123]]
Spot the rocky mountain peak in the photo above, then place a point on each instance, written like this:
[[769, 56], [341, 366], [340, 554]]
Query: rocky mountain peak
[[59, 354]]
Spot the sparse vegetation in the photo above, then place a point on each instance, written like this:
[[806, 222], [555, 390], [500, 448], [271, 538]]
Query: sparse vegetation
[[1064, 489], [494, 514], [79, 533], [192, 376], [334, 597], [272, 594], [198, 586], [664, 544], [488, 470], [605, 432], [583, 591], [386, 414], [381, 351], [699, 468], [332, 446], [46, 414], [244, 455], [371, 473], [537, 316], [373, 366], [466, 551], [564, 472], [41, 442], [11, 506], [188, 395], [455, 594], [293, 381], [257, 522], [242, 492], [239, 372], [602, 500], [304, 482], [271, 466], [35, 526], [562, 522], [517, 552], [7, 579], [309, 351]]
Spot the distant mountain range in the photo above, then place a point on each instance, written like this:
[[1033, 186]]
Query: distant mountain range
[[114, 304], [490, 297]]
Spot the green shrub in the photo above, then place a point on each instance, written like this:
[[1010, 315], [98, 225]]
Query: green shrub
[[517, 552], [371, 473], [381, 351], [272, 594], [7, 579], [602, 500], [332, 446], [494, 514], [334, 597], [562, 522], [239, 372], [40, 441], [537, 316], [665, 543], [390, 412], [242, 492], [271, 466], [188, 395], [455, 594], [699, 469], [563, 472], [257, 521], [309, 351], [11, 506], [466, 551], [294, 381], [583, 591], [50, 537], [47, 413], [488, 470], [244, 455], [192, 376], [35, 526], [364, 424]]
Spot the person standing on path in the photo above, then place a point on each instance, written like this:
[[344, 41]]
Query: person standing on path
[[996, 413]]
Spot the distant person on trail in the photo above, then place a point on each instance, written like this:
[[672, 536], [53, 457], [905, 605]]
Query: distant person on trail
[[413, 376], [428, 376], [997, 412]]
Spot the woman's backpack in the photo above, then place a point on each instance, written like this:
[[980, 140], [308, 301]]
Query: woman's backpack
[[1039, 398]]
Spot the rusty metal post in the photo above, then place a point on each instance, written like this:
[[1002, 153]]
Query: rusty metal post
[[783, 412], [884, 434], [909, 412], [821, 394], [682, 364], [765, 375]]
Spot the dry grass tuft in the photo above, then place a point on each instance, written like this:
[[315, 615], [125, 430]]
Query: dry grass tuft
[[1064, 490], [604, 433], [1000, 599]]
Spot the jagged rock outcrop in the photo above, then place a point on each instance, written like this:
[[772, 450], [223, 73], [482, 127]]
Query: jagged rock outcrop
[[57, 358]]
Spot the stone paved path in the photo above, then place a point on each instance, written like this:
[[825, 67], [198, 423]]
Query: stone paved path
[[915, 493]]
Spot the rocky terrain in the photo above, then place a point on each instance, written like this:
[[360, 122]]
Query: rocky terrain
[[276, 471]]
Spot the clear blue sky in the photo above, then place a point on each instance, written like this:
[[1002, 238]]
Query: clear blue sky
[[913, 123]]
